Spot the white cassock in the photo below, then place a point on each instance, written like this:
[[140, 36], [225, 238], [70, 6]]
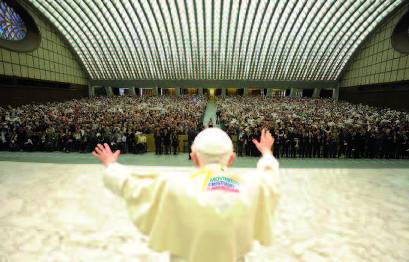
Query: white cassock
[[213, 215]]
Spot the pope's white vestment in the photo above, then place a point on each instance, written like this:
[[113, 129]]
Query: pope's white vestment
[[214, 214]]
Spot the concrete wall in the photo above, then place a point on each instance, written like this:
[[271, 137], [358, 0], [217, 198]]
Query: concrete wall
[[20, 95], [52, 61], [377, 61]]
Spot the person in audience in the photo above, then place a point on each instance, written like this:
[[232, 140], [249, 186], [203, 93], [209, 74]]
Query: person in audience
[[157, 136], [166, 140], [240, 141], [210, 124], [174, 141], [191, 134], [140, 140]]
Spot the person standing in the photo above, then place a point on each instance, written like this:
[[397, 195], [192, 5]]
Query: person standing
[[277, 144], [175, 141], [240, 141], [210, 124], [191, 134], [218, 114], [166, 140], [211, 214], [316, 144], [157, 136]]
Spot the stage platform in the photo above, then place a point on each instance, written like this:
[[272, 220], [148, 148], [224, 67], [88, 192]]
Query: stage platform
[[54, 207], [181, 160]]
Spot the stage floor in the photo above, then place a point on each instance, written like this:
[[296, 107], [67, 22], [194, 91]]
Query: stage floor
[[150, 159], [344, 211]]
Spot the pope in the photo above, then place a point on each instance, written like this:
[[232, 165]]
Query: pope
[[213, 214]]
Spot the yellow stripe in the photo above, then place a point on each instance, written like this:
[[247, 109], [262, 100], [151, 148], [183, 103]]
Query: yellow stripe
[[204, 171]]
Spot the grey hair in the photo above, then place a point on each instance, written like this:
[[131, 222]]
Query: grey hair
[[205, 159]]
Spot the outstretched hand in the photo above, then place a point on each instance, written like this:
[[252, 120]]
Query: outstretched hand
[[266, 142], [105, 155]]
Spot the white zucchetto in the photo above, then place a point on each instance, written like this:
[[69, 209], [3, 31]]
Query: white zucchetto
[[212, 141]]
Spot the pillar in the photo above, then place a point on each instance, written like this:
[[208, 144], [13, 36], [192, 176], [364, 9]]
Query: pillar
[[296, 92], [335, 93], [91, 91], [245, 91], [132, 91], [200, 91], [269, 92], [262, 91], [293, 92], [316, 93], [155, 90], [178, 91], [108, 91], [223, 92]]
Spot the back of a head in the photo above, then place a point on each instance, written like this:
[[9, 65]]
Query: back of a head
[[213, 146]]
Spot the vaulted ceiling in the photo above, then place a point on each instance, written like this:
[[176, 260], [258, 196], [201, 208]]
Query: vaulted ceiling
[[215, 39]]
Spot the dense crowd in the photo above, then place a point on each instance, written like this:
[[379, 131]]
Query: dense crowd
[[301, 127], [316, 127], [121, 121]]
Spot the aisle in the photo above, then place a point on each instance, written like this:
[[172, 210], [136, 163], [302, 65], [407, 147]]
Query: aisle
[[210, 113]]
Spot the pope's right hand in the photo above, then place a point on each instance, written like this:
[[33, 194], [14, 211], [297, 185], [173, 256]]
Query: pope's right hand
[[266, 142], [105, 155]]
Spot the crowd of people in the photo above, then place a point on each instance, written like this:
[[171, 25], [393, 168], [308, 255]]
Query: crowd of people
[[302, 127], [305, 127], [120, 121]]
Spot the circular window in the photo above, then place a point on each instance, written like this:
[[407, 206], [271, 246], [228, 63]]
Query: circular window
[[12, 26], [400, 35], [18, 30]]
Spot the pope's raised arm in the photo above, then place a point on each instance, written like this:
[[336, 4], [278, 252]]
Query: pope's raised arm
[[115, 174], [118, 178], [105, 155], [268, 165]]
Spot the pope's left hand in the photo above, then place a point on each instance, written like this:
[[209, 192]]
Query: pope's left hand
[[105, 155]]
